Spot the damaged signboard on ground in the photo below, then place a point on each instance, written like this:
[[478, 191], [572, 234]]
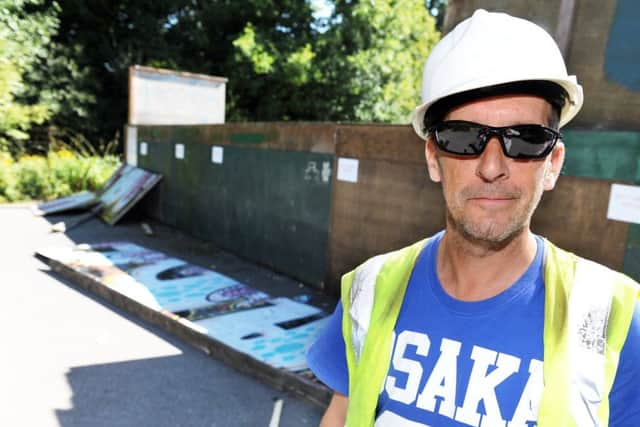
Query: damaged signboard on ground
[[118, 195], [81, 200], [275, 331]]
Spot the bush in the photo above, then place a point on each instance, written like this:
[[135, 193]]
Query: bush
[[32, 180], [59, 174], [100, 169], [7, 180], [68, 173]]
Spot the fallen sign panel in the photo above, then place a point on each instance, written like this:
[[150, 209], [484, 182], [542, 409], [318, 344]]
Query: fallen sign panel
[[247, 328], [118, 195], [81, 200], [130, 184]]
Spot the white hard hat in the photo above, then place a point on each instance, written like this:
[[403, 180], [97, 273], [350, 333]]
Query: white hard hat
[[491, 49]]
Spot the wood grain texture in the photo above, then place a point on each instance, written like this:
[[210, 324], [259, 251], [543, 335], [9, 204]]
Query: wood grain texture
[[564, 27], [574, 217], [393, 204], [380, 142], [608, 104]]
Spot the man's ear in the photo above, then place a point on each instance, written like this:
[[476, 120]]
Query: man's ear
[[433, 167], [556, 160]]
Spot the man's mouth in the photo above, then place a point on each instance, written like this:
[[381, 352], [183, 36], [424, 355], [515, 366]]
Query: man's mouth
[[495, 199], [492, 199]]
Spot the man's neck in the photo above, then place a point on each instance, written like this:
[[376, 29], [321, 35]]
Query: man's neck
[[474, 271]]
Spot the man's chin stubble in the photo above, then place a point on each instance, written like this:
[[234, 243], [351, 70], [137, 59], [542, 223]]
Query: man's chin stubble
[[486, 236]]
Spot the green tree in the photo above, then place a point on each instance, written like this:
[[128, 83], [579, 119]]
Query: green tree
[[98, 42], [373, 56], [24, 40], [363, 65], [264, 47], [40, 83]]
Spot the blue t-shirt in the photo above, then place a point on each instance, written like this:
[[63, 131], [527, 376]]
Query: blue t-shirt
[[457, 363]]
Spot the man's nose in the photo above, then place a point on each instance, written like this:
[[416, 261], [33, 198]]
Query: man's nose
[[492, 164]]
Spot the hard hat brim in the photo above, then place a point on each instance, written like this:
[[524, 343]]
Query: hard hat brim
[[569, 111]]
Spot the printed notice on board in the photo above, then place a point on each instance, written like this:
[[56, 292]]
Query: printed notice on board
[[179, 151], [217, 153], [624, 203], [347, 169], [144, 149]]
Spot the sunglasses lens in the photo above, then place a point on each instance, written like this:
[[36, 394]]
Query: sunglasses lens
[[519, 142], [528, 141], [459, 138]]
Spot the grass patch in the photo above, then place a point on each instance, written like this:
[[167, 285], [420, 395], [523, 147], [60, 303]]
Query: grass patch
[[58, 174]]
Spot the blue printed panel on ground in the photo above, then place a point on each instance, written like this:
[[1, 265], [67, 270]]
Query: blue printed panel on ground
[[276, 331]]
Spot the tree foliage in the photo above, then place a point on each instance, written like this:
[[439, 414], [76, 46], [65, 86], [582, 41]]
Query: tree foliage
[[39, 80], [264, 47], [363, 63], [24, 39], [102, 39], [384, 43]]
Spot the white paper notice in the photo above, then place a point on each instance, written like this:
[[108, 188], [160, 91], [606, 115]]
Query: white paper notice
[[217, 153], [624, 203], [144, 148], [179, 151], [347, 169]]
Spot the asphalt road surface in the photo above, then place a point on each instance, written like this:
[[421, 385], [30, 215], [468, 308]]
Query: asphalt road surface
[[69, 359]]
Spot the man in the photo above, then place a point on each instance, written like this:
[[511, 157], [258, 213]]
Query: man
[[454, 330]]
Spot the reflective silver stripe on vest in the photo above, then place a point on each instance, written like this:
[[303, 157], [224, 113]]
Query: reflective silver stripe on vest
[[361, 300], [589, 310]]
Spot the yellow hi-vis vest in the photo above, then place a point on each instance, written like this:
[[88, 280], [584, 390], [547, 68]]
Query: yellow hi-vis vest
[[588, 310]]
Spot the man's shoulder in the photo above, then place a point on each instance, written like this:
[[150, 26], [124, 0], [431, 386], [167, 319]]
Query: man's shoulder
[[409, 251], [362, 279], [593, 266]]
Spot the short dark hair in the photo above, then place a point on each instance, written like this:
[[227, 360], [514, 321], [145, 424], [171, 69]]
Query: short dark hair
[[553, 93]]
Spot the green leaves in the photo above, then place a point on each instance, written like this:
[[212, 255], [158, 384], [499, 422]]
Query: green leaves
[[254, 51], [24, 40], [389, 40], [65, 62], [299, 65], [365, 65], [59, 174], [265, 57]]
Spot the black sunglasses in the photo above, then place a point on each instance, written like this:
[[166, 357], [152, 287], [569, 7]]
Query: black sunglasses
[[470, 139]]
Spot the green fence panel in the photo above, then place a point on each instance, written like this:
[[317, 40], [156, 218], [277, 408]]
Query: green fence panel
[[158, 159], [270, 206], [603, 154], [188, 174]]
